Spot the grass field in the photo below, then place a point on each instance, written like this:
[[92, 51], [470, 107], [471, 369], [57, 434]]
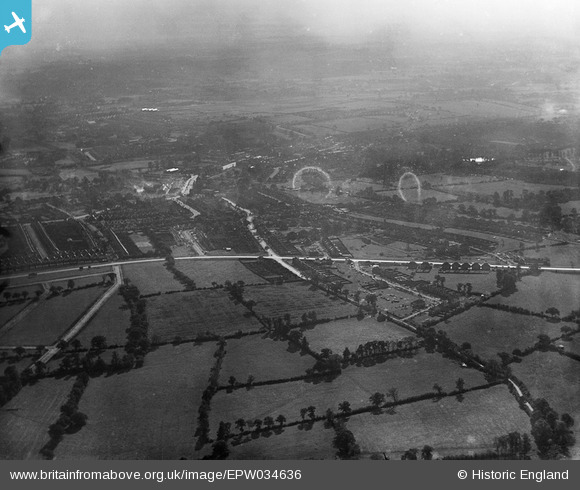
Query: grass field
[[263, 358], [492, 331], [373, 250], [151, 277], [563, 255], [411, 195], [205, 272], [488, 188], [445, 179], [537, 293], [449, 426], [190, 313], [572, 345], [51, 318], [111, 321], [25, 419], [296, 299], [351, 333], [293, 443], [411, 376], [147, 413], [556, 378], [481, 282], [8, 312]]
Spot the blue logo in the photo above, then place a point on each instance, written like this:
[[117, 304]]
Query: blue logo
[[15, 22]]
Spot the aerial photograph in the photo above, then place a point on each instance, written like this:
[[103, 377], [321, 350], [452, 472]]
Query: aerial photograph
[[290, 230]]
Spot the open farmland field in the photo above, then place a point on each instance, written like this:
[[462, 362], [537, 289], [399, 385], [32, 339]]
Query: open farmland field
[[151, 278], [9, 311], [25, 419], [411, 194], [373, 250], [488, 188], [187, 314], [206, 272], [296, 299], [445, 179], [111, 321], [147, 413], [501, 212], [410, 376], [562, 255], [292, 443], [492, 331], [561, 388], [351, 333], [262, 358], [449, 426], [79, 282], [127, 165], [487, 108], [480, 281], [51, 318], [538, 293]]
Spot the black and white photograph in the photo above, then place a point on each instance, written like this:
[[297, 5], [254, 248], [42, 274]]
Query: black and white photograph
[[290, 230]]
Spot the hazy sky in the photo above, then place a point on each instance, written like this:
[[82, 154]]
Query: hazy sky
[[97, 23]]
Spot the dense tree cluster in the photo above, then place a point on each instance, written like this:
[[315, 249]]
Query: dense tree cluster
[[552, 434], [70, 419]]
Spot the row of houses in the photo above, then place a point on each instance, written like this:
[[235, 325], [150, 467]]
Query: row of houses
[[450, 267]]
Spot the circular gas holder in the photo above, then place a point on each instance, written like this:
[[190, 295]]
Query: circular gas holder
[[312, 169], [401, 189]]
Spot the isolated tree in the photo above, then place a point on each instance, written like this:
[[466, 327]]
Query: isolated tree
[[410, 454], [70, 284], [345, 443], [460, 384], [543, 341], [553, 312], [268, 422], [438, 389], [19, 351], [394, 394], [232, 381], [98, 342], [344, 407], [250, 380], [281, 420], [303, 412], [377, 399], [427, 453], [220, 450], [312, 412], [240, 424]]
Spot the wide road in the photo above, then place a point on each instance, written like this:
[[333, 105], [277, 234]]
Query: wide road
[[277, 258]]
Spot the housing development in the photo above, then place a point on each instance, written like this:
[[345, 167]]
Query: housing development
[[280, 245]]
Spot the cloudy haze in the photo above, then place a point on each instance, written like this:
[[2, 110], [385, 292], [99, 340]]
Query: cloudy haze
[[101, 23]]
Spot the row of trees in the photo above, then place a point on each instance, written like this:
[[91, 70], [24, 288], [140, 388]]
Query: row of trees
[[137, 334], [202, 431], [10, 384], [179, 276], [70, 419]]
